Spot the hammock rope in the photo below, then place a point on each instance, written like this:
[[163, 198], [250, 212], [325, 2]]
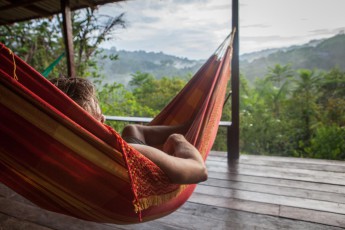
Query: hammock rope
[[58, 156], [14, 65]]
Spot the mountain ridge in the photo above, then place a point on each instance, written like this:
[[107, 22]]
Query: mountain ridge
[[158, 64], [322, 54]]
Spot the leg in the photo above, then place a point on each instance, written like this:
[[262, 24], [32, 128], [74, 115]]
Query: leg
[[153, 135], [183, 163]]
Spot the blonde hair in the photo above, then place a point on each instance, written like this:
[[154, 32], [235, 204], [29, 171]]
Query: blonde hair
[[80, 90]]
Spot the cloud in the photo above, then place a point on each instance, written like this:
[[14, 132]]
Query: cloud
[[255, 26], [185, 28], [327, 31], [189, 1], [269, 38], [195, 28], [149, 19]]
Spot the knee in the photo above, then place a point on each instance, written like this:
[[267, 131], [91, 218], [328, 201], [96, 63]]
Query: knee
[[133, 131], [129, 130]]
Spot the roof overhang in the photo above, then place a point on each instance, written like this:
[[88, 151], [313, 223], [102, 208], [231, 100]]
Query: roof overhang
[[12, 11]]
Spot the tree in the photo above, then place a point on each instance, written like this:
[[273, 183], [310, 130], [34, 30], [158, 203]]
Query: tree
[[262, 131], [89, 31], [301, 112], [155, 93], [332, 98], [117, 101], [39, 42], [279, 74], [328, 142], [280, 77]]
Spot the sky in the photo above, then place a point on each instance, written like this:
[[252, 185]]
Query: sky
[[195, 28]]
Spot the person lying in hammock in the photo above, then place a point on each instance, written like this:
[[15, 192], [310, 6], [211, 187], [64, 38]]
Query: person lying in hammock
[[179, 159]]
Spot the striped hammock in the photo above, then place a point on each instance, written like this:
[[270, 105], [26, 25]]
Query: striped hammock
[[59, 157]]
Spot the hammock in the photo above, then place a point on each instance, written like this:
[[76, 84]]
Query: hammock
[[56, 155], [50, 68]]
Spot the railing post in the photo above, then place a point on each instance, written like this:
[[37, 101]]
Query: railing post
[[233, 141]]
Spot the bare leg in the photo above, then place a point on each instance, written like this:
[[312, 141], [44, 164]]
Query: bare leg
[[153, 135], [183, 163]]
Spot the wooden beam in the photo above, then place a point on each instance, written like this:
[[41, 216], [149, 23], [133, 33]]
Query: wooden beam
[[38, 10], [68, 36], [16, 4], [233, 139]]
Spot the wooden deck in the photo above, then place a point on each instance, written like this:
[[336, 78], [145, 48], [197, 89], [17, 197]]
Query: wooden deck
[[259, 192]]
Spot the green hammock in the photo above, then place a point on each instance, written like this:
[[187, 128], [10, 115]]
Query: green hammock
[[47, 71]]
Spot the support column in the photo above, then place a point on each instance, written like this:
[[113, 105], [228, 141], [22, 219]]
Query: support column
[[234, 130], [68, 36]]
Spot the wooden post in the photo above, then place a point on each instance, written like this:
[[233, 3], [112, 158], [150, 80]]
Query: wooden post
[[68, 36], [234, 130]]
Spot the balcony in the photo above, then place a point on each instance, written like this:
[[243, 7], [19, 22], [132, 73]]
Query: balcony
[[257, 192]]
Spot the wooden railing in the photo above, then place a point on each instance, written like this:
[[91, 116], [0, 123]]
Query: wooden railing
[[148, 119]]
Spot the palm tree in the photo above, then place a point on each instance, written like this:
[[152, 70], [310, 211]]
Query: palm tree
[[305, 96], [279, 76]]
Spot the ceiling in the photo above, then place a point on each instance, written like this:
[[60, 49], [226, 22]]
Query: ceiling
[[21, 10]]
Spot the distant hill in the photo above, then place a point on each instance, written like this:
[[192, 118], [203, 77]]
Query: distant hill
[[158, 64], [249, 57], [317, 54], [321, 54]]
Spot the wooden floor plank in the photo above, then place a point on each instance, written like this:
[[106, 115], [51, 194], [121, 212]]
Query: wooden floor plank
[[278, 181], [280, 159], [10, 223], [336, 220], [285, 164], [326, 206], [57, 221], [276, 168], [188, 221], [274, 189], [313, 216], [236, 204], [45, 218], [276, 172], [251, 219]]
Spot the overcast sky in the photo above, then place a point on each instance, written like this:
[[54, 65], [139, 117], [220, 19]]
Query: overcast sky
[[195, 28]]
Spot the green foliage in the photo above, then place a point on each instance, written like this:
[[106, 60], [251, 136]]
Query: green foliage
[[220, 143], [155, 93], [116, 100], [328, 142], [147, 98], [302, 117], [331, 99], [39, 42], [89, 31]]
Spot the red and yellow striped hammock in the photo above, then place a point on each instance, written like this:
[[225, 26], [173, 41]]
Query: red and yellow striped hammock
[[56, 155]]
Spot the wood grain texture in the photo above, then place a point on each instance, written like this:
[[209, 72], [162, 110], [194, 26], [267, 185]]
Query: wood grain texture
[[258, 192]]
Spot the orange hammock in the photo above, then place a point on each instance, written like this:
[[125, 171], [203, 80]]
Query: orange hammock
[[56, 155]]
